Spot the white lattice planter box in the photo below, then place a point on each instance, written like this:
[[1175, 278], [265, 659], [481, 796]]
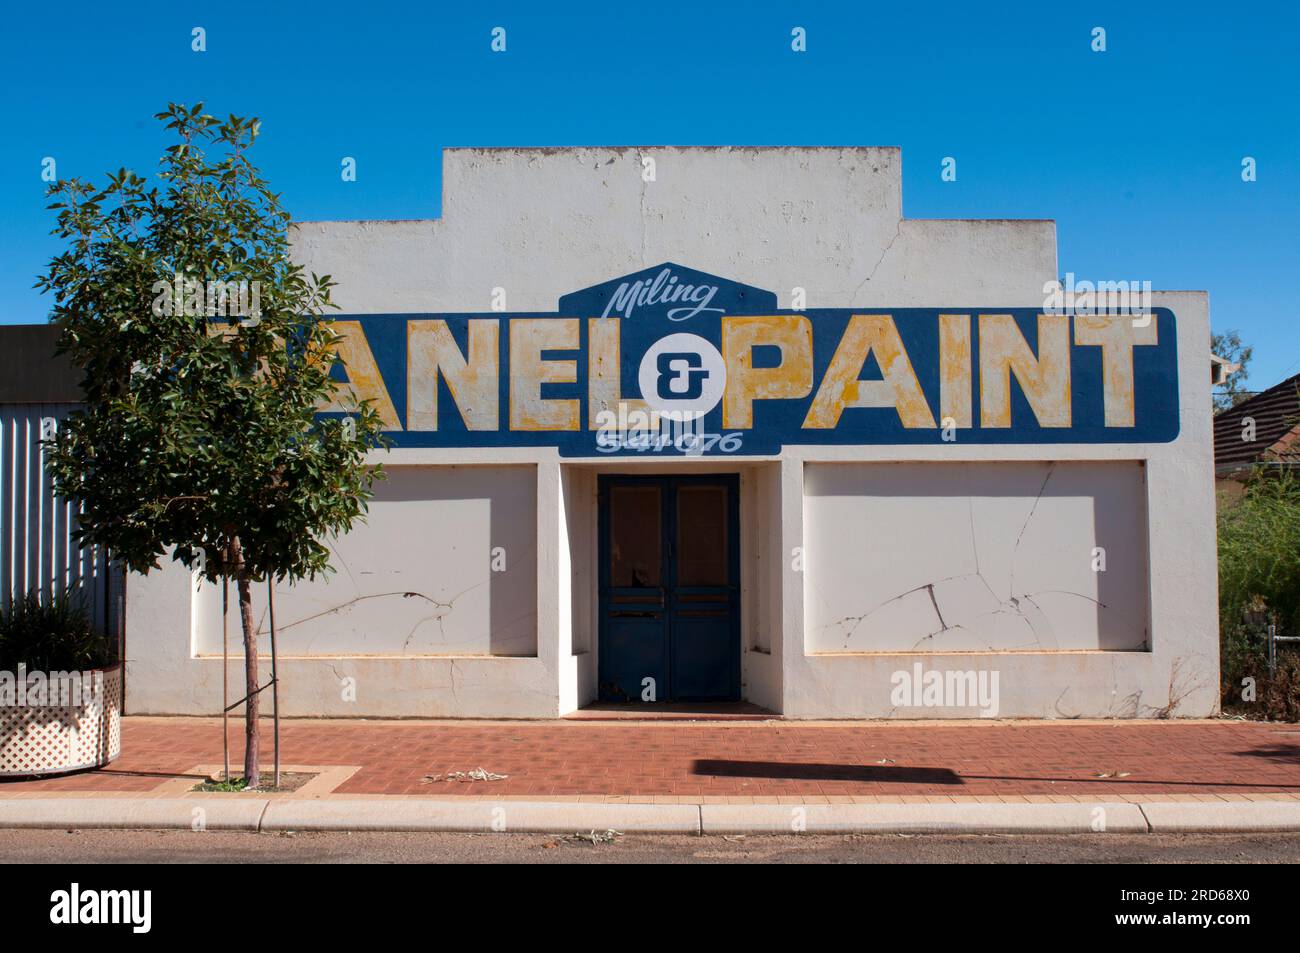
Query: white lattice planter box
[[49, 739]]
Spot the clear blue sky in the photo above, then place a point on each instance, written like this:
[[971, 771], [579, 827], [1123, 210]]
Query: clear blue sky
[[1135, 152]]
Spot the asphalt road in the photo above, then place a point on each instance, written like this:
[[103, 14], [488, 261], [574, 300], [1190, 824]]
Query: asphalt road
[[148, 847]]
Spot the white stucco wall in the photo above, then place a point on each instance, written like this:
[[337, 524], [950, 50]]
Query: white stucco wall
[[472, 631], [1030, 556], [543, 222], [540, 223], [444, 564]]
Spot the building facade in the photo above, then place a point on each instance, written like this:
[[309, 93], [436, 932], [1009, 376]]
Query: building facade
[[719, 424]]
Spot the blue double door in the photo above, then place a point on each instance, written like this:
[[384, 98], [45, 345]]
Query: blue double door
[[669, 588]]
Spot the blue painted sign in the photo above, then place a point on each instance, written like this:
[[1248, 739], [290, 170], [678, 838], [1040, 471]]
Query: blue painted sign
[[671, 361]]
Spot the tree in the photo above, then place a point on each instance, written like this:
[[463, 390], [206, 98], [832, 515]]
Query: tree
[[1233, 389], [206, 358]]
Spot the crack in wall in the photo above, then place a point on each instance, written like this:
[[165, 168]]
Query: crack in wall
[[1023, 606], [640, 156], [1051, 468], [1181, 685], [442, 610], [898, 230], [943, 626]]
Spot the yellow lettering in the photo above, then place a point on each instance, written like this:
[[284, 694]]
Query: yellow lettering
[[1045, 379], [792, 378], [363, 374], [955, 369], [898, 388], [1116, 335], [528, 372], [472, 379], [604, 378]]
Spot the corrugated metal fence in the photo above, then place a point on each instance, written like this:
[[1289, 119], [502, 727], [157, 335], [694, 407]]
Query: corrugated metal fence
[[37, 551]]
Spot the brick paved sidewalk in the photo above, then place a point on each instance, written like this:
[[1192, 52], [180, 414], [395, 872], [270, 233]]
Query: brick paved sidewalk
[[769, 759]]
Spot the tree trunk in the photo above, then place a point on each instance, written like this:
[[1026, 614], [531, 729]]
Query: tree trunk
[[251, 708]]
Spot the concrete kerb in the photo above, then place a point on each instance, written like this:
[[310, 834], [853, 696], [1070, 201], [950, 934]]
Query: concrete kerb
[[1208, 817], [923, 818], [214, 814], [484, 815]]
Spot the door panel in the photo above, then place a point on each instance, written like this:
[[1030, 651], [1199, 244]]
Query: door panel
[[702, 537], [633, 618], [636, 536], [669, 599], [701, 603]]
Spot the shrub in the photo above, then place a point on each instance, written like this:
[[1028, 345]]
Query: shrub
[[1259, 586], [52, 635]]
